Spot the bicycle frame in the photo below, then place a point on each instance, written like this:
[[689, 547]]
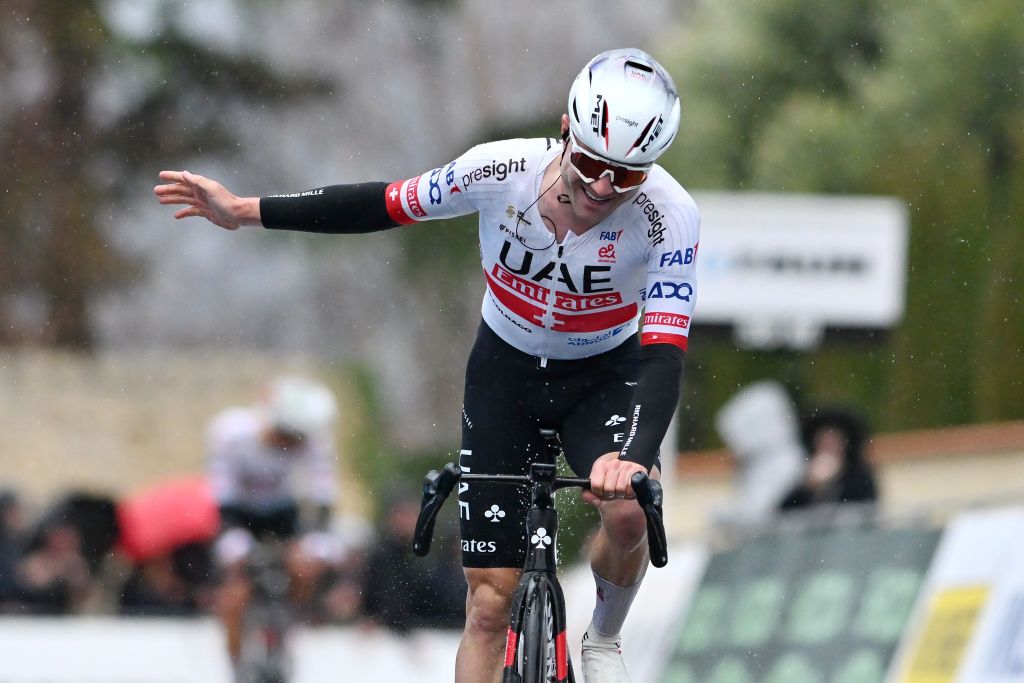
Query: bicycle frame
[[540, 575], [268, 618]]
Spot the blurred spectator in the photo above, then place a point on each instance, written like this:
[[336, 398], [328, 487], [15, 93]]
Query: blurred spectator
[[325, 572], [53, 576], [402, 592], [155, 589], [760, 427], [342, 598], [94, 516], [56, 574], [837, 470], [12, 532], [170, 584]]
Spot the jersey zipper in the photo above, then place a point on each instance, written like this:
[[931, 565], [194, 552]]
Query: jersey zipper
[[549, 317]]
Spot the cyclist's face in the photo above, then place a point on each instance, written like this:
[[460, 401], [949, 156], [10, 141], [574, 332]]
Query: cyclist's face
[[594, 201], [284, 440]]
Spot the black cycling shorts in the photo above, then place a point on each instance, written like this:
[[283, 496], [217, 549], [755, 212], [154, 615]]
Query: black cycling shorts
[[508, 399]]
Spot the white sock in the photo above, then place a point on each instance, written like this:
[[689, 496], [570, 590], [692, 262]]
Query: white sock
[[612, 606]]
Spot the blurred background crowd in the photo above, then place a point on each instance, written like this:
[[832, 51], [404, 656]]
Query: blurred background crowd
[[200, 546]]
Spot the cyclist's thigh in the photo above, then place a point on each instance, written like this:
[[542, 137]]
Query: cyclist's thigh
[[498, 437], [599, 421]]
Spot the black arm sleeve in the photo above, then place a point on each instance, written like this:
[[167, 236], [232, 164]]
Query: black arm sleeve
[[657, 393], [332, 209]]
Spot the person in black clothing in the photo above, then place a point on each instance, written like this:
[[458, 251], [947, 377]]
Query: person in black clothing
[[11, 540], [837, 469], [174, 584]]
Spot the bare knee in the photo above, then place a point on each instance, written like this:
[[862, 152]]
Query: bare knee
[[624, 523], [489, 598]]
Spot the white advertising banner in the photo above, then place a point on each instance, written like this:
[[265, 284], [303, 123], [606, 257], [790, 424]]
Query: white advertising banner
[[112, 650], [996, 654], [811, 260], [968, 626]]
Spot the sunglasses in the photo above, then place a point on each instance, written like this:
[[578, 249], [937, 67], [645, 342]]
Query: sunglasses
[[591, 168]]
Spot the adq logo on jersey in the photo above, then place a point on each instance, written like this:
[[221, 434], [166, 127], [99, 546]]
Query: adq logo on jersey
[[435, 186], [670, 290], [606, 254]]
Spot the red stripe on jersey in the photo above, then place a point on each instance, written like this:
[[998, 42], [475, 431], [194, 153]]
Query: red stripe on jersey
[[393, 201], [594, 322], [662, 338], [561, 658], [510, 648], [523, 309]]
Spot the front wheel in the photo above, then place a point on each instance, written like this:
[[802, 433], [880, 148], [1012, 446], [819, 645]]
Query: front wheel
[[536, 651]]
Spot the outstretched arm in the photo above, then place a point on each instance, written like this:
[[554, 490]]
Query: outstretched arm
[[333, 209], [207, 199]]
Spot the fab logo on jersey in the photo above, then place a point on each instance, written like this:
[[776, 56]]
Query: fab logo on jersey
[[679, 257]]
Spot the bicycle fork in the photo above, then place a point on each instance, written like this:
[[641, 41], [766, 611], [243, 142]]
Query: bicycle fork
[[537, 626]]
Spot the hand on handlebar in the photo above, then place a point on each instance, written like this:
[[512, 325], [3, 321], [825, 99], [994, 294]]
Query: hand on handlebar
[[610, 479]]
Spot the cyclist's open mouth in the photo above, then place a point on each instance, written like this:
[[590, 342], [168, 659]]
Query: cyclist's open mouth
[[595, 198]]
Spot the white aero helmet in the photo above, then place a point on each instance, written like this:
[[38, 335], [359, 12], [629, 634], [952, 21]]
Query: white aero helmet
[[625, 107], [301, 406]]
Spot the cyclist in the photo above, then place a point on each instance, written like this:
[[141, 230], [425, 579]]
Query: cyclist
[[267, 460], [270, 465], [576, 236]]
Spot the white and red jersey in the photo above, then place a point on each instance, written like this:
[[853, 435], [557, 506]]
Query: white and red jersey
[[580, 297], [248, 472]]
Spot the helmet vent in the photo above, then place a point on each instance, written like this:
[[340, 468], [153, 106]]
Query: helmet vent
[[643, 134], [604, 123], [574, 112], [638, 65]]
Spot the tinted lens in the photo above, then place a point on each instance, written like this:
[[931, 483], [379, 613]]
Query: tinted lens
[[591, 170]]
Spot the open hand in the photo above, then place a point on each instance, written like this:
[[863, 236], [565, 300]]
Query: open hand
[[207, 199]]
